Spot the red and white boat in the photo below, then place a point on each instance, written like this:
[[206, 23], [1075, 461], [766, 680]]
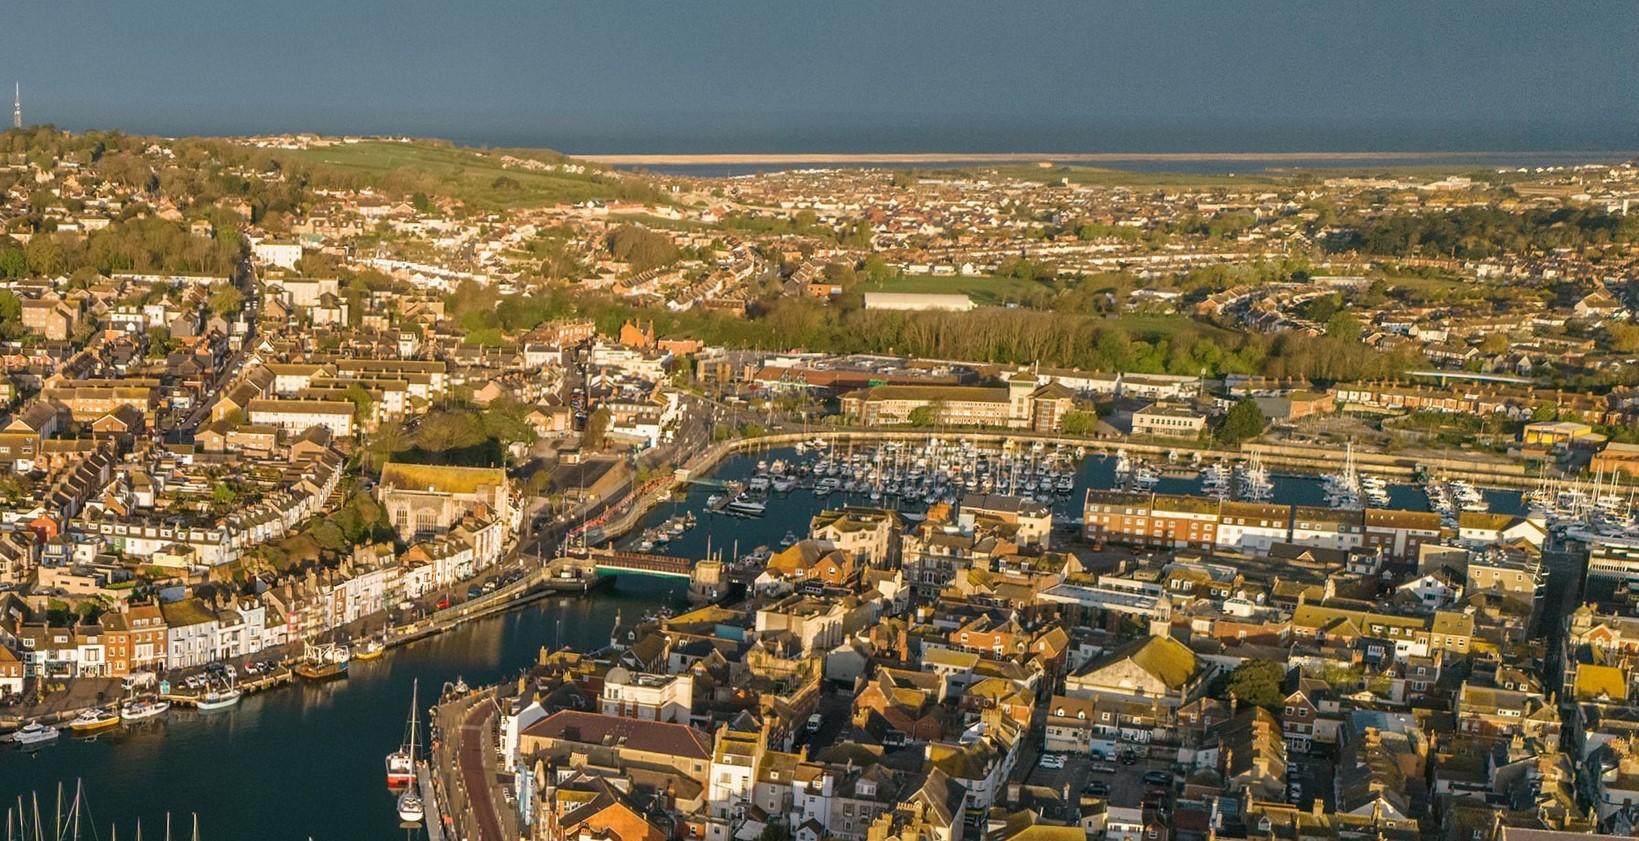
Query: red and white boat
[[401, 763]]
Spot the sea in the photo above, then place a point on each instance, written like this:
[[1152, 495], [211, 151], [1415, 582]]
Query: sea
[[1270, 164]]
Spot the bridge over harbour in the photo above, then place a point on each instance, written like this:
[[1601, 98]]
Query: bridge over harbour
[[611, 562]]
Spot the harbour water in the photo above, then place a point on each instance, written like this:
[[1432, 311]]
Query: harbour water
[[307, 761]]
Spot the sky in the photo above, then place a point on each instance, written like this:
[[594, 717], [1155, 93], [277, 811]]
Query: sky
[[844, 76]]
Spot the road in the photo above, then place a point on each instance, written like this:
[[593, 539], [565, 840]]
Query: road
[[471, 756], [245, 279]]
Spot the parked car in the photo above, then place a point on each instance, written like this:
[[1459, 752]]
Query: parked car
[[1158, 778], [1052, 760], [1096, 789], [1103, 768]]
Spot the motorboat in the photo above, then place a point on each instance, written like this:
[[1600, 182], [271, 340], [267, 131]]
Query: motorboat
[[34, 733], [370, 650], [746, 508], [94, 720]]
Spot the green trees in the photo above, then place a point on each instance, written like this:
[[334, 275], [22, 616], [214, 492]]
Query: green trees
[[1343, 325], [597, 429], [920, 416], [225, 299], [45, 256], [13, 261], [1255, 682], [361, 400], [1495, 343], [1477, 232], [1078, 422], [641, 247], [1244, 420], [1623, 338]]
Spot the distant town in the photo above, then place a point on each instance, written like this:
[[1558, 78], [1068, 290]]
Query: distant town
[[1045, 502]]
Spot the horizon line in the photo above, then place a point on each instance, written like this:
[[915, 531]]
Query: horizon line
[[732, 158]]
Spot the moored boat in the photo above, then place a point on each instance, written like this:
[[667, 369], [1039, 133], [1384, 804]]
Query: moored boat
[[410, 808], [34, 733], [219, 699], [370, 650], [93, 720], [324, 662], [138, 709], [401, 762]]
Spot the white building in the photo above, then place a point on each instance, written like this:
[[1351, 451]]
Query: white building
[[649, 697]]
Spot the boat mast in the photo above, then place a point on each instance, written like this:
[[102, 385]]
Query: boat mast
[[75, 811]]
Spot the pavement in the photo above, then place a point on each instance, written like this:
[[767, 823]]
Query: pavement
[[475, 759]]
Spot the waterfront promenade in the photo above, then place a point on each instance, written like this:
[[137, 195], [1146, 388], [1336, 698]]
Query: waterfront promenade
[[464, 767]]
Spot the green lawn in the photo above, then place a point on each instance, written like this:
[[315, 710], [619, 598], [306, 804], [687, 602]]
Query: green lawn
[[469, 174], [1422, 283], [987, 290], [1152, 327]]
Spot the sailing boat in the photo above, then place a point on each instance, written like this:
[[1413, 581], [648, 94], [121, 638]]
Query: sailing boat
[[410, 807], [401, 763]]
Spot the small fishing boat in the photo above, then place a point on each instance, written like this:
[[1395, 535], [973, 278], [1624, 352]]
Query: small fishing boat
[[370, 650], [138, 709], [324, 662], [410, 807], [401, 762], [219, 699]]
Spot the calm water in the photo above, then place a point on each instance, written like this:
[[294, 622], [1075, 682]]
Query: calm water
[[307, 762], [1273, 163]]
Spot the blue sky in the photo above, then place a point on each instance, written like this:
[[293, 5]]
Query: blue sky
[[838, 75]]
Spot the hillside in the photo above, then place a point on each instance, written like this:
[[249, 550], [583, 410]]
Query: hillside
[[478, 177]]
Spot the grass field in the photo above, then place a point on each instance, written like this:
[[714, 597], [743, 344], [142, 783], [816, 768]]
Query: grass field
[[986, 290], [467, 174], [1152, 327]]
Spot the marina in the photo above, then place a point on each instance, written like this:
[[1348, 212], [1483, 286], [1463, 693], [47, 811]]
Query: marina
[[737, 510]]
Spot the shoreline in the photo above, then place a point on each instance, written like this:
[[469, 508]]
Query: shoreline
[[751, 158]]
